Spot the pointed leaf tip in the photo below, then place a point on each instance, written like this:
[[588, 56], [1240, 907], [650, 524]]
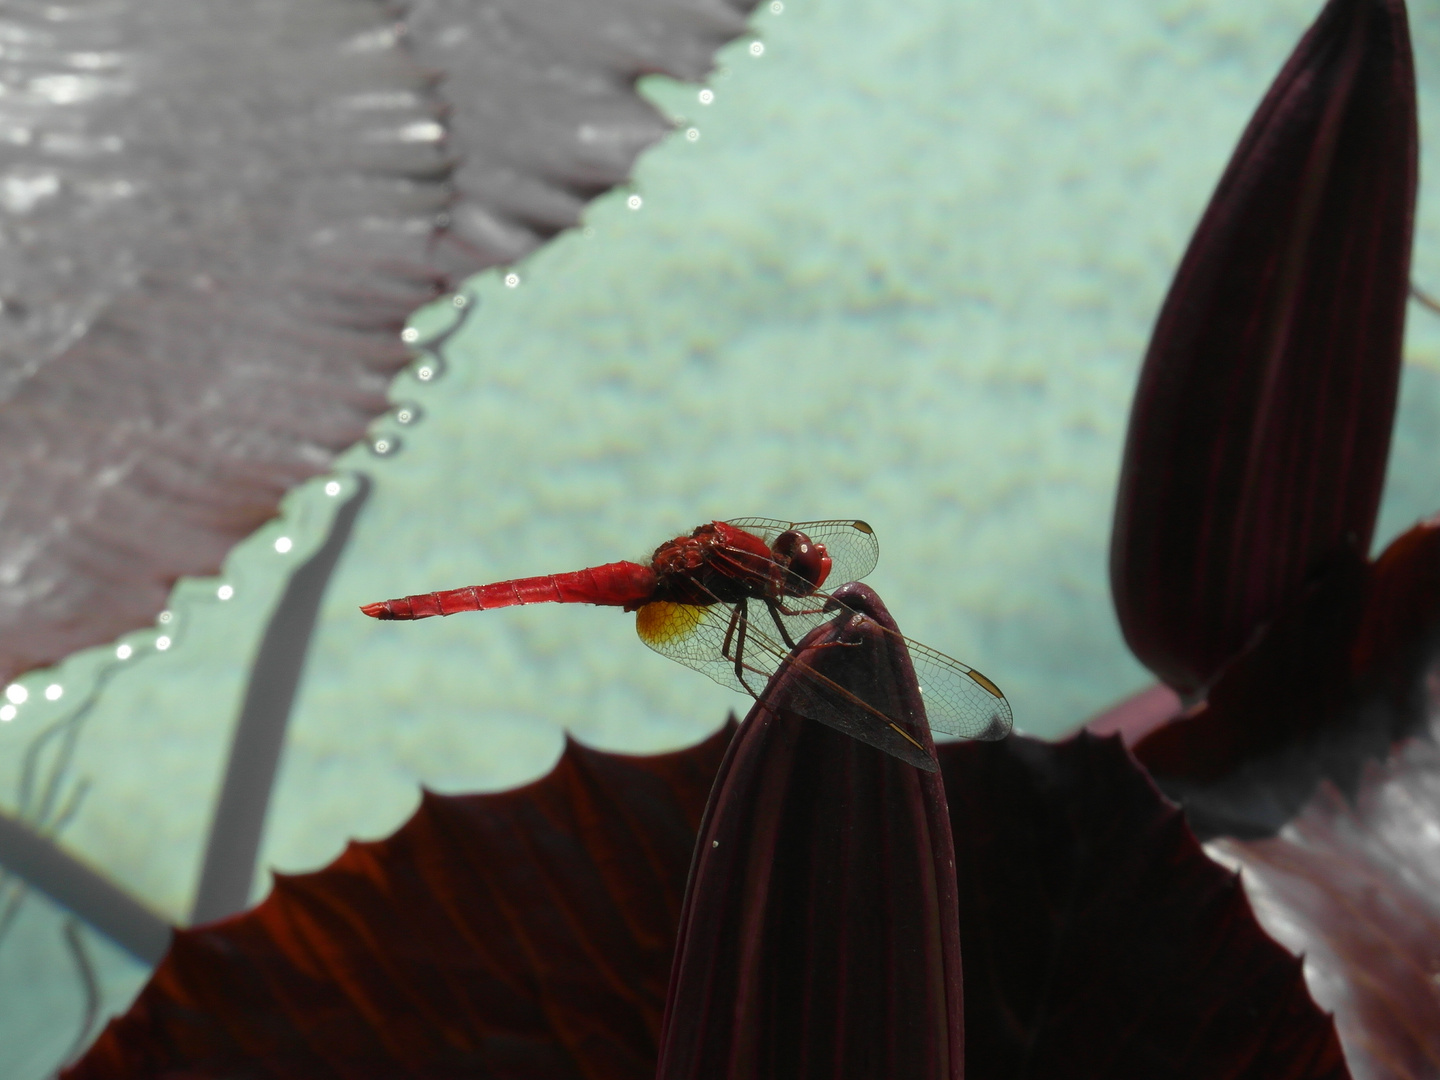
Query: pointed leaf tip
[[820, 939], [1261, 423]]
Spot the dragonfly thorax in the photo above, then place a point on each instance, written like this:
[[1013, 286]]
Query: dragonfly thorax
[[721, 563]]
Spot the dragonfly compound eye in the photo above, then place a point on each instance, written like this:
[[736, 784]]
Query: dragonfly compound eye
[[804, 558]]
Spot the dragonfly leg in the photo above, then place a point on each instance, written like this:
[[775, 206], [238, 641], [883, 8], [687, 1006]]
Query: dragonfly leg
[[772, 606], [737, 619], [776, 604], [733, 648], [778, 609]]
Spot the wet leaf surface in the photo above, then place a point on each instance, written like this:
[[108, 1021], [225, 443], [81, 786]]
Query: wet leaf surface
[[217, 219], [1352, 886]]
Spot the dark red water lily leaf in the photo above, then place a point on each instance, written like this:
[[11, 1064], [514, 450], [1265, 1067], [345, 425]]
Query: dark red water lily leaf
[[1353, 886], [529, 934], [1099, 939], [1259, 434], [1134, 717], [820, 939], [519, 936]]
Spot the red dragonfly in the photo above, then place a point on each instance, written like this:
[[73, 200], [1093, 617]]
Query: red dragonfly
[[694, 604]]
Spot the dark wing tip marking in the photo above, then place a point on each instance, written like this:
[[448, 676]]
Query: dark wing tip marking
[[997, 729]]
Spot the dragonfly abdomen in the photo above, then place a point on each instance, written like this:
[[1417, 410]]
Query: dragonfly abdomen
[[621, 584]]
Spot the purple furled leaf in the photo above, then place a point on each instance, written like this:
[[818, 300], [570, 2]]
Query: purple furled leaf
[[1257, 443], [520, 936], [1099, 939], [819, 938], [1251, 481], [217, 219]]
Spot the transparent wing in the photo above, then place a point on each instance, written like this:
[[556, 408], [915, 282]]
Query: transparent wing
[[214, 220], [697, 637], [703, 637], [852, 545], [958, 699]]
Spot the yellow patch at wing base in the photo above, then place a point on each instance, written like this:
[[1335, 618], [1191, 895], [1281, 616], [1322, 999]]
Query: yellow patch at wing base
[[663, 623]]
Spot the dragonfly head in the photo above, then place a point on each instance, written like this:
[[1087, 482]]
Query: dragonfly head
[[804, 559]]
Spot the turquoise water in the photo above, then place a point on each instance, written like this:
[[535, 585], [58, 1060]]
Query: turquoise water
[[906, 272]]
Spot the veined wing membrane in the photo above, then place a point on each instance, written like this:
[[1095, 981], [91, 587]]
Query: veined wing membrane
[[699, 637], [958, 699], [696, 637]]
